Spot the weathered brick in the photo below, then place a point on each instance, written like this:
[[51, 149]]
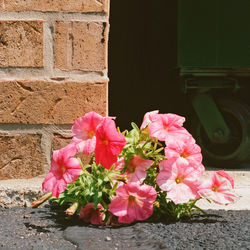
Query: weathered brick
[[48, 102], [81, 45], [57, 5], [20, 156], [62, 140], [21, 43]]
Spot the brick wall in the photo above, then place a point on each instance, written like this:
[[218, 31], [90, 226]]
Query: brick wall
[[53, 69]]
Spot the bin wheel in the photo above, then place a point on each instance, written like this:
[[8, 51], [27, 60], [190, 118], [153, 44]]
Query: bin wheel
[[235, 152]]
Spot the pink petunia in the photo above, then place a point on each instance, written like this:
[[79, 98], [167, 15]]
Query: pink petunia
[[64, 169], [189, 151], [226, 175], [84, 130], [91, 215], [168, 128], [218, 188], [133, 202], [109, 143], [148, 117], [179, 179], [137, 169], [120, 163]]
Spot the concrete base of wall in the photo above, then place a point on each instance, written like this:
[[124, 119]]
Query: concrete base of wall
[[21, 192]]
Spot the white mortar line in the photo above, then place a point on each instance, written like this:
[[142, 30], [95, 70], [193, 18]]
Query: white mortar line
[[48, 53], [81, 75], [47, 74], [46, 147], [69, 46], [34, 128], [53, 16]]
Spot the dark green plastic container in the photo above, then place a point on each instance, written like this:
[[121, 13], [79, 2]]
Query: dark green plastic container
[[214, 66], [213, 34]]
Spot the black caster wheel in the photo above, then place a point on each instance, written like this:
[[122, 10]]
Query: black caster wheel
[[235, 152]]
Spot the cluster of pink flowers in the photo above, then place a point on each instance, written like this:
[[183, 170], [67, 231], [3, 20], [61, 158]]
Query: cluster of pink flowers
[[180, 175], [92, 133]]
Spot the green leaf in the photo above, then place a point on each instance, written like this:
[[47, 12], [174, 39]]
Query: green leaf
[[73, 190], [158, 150], [99, 182], [133, 137], [125, 132], [134, 126], [99, 194], [97, 197], [106, 179], [115, 186], [104, 217], [139, 151]]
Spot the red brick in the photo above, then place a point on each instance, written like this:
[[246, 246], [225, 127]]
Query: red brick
[[61, 140], [81, 45], [47, 102], [57, 5], [21, 43], [20, 156]]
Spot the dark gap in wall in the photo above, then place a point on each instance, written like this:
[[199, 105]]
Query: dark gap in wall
[[143, 60]]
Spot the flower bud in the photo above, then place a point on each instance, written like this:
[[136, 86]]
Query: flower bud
[[72, 209], [119, 177]]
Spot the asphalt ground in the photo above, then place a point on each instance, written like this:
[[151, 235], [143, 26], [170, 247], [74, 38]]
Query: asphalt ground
[[50, 228]]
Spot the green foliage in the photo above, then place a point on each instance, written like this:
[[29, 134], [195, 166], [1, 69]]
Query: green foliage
[[140, 143], [95, 184], [167, 210]]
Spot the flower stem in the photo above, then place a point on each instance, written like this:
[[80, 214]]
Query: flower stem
[[41, 200], [199, 209]]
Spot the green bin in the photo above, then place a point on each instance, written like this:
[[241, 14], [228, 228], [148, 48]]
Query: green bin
[[214, 57], [213, 34]]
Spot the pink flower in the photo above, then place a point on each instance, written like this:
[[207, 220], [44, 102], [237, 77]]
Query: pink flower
[[91, 215], [168, 128], [226, 175], [148, 117], [137, 169], [189, 151], [218, 188], [84, 130], [120, 163], [133, 202], [64, 169], [109, 143], [179, 179]]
